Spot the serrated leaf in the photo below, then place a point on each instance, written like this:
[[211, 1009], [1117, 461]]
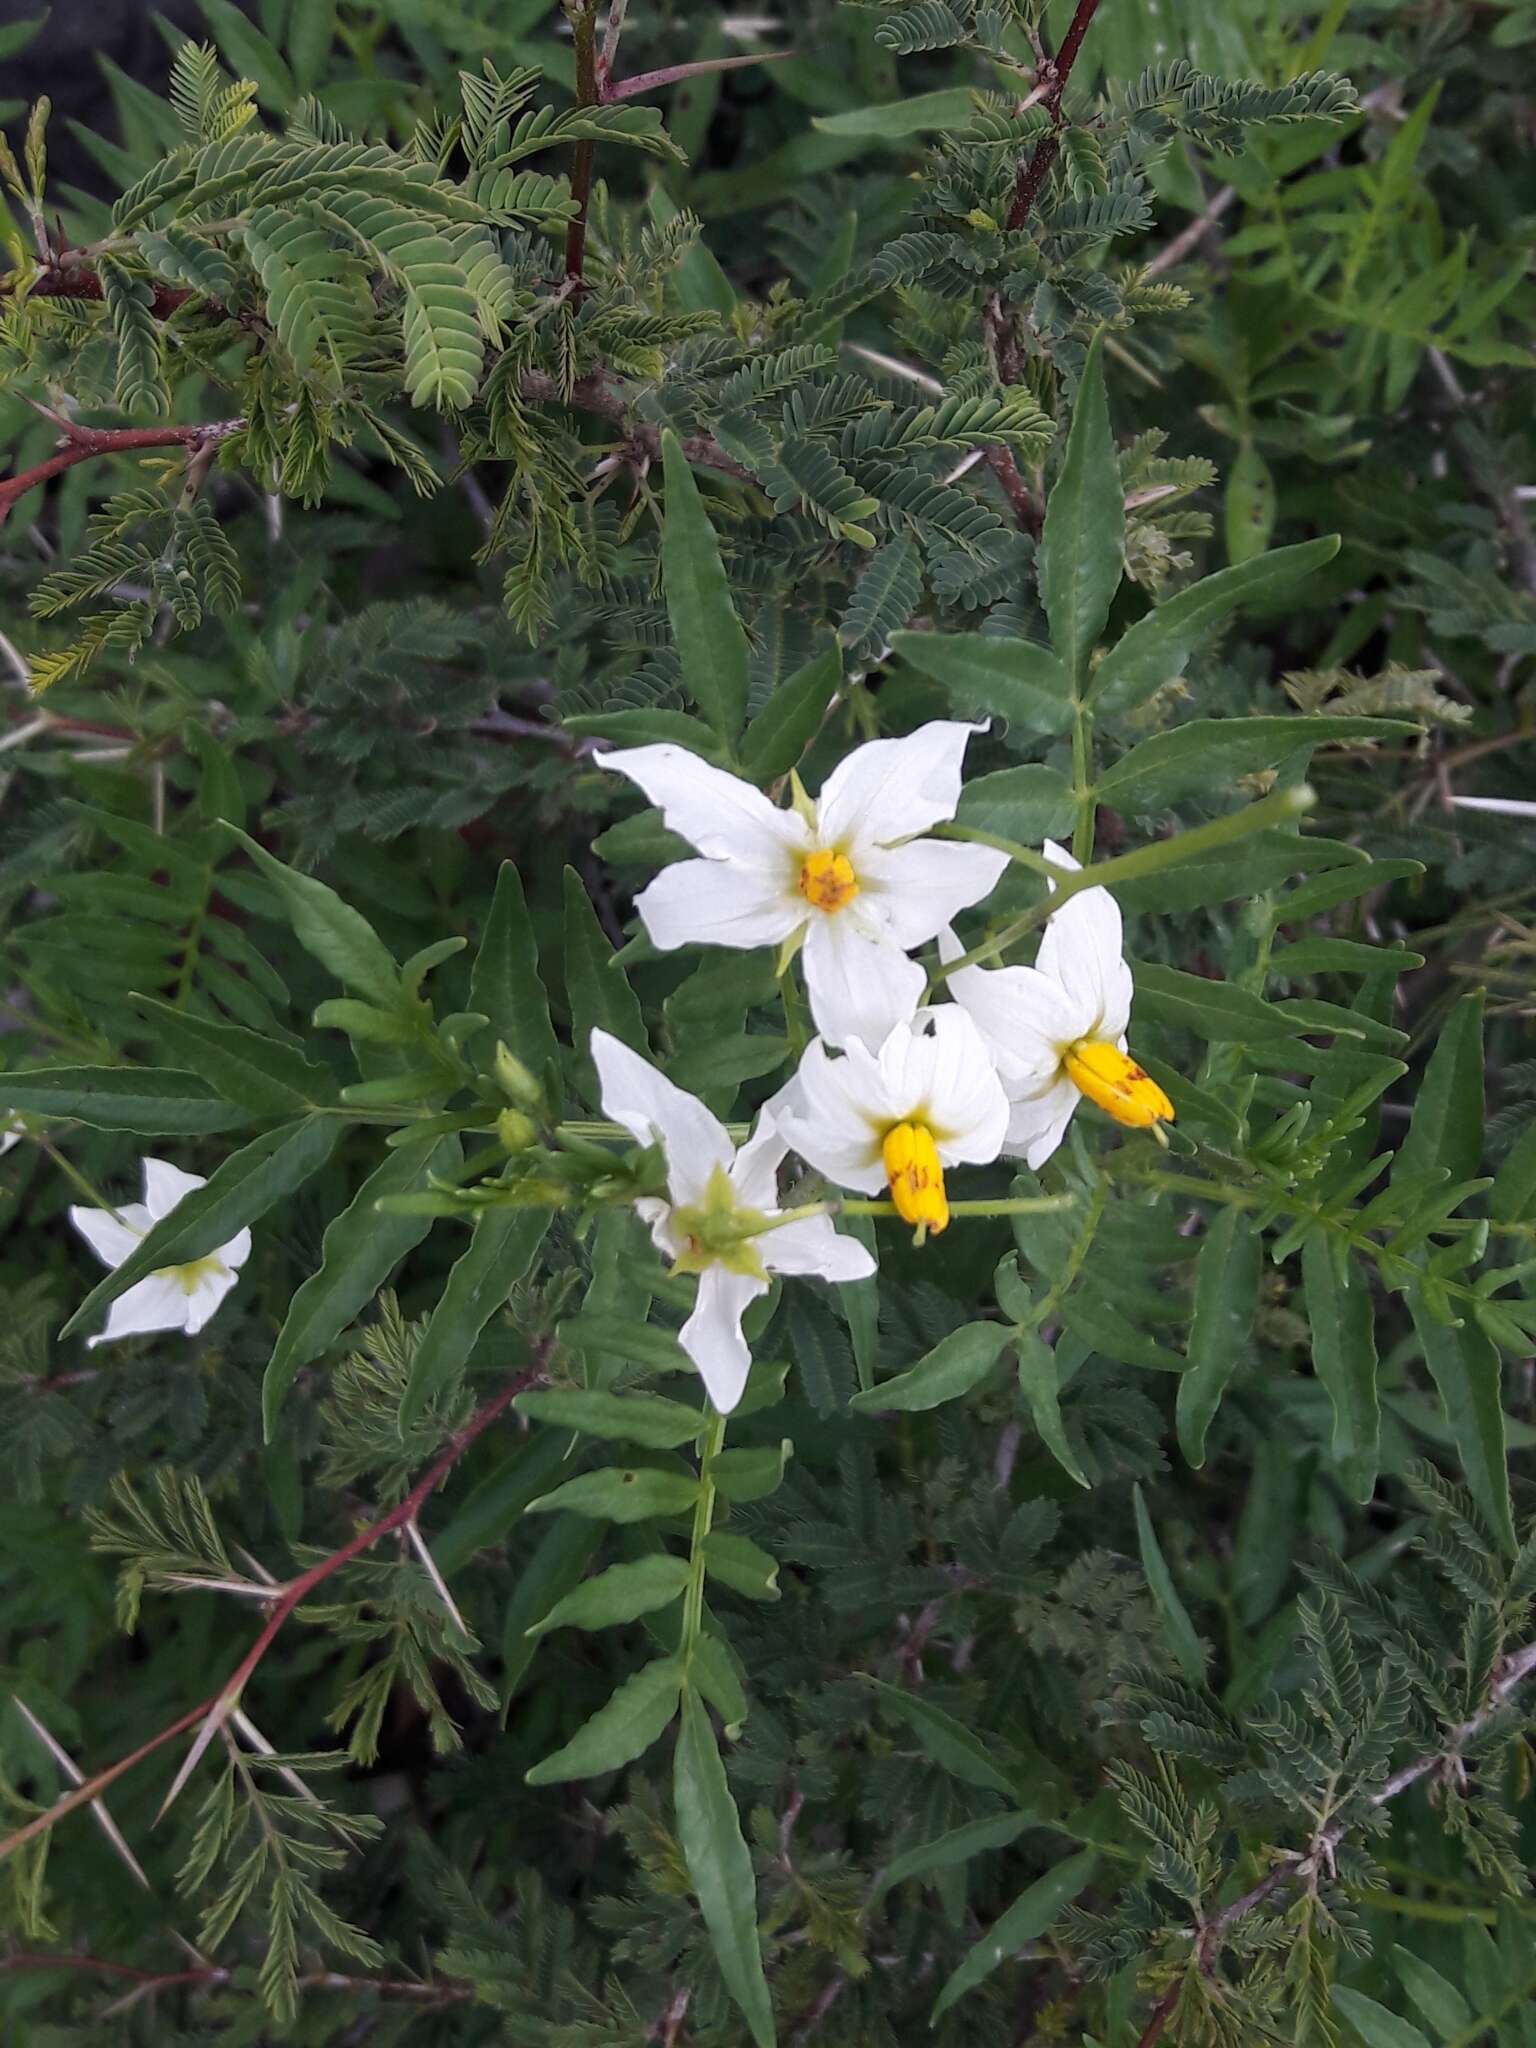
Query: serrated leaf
[[637, 1715], [621, 1494], [1467, 1370], [600, 997], [257, 1074], [1447, 1125], [155, 1102], [646, 1419], [338, 936], [1206, 755], [957, 1363], [622, 1593], [1344, 1358]]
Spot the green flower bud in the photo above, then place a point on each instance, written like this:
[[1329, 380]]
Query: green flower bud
[[516, 1131], [516, 1081]]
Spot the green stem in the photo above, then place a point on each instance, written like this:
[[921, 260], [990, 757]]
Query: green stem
[[1082, 781], [1280, 808], [1026, 856], [72, 1172], [1022, 1205], [703, 1515]]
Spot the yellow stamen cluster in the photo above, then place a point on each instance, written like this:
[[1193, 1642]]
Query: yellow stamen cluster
[[916, 1178], [827, 880], [1112, 1079]]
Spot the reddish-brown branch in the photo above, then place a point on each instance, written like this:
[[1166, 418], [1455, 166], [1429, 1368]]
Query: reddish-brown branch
[[78, 281], [212, 1976], [671, 74], [1033, 172], [85, 443], [291, 1596]]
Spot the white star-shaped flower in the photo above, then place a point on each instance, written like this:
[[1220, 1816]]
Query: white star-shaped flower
[[846, 872], [929, 1098], [173, 1297], [1057, 1029], [10, 1134], [720, 1218]]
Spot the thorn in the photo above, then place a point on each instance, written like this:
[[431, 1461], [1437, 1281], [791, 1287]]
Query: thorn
[[418, 1544], [213, 1721], [76, 1776]]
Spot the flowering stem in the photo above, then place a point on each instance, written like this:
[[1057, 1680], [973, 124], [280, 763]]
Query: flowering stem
[[72, 1172], [1283, 807], [1015, 1205], [1026, 856]]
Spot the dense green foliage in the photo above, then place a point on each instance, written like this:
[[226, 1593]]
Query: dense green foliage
[[1111, 1624]]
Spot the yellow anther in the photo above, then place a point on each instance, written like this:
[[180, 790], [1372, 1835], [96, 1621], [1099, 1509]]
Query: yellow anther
[[916, 1177], [1112, 1079], [827, 880]]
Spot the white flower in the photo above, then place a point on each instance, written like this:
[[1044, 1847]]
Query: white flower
[[930, 1098], [844, 872], [173, 1297], [720, 1218], [10, 1134], [1057, 1029]]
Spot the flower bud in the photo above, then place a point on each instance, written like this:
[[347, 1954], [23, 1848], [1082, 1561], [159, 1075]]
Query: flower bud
[[516, 1131], [516, 1081]]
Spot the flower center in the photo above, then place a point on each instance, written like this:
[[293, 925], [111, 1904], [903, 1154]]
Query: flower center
[[719, 1232], [827, 880], [1113, 1080], [188, 1276], [917, 1179]]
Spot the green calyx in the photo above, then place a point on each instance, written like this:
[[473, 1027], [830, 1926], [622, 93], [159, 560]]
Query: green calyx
[[720, 1232]]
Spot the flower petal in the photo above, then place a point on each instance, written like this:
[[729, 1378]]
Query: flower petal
[[837, 1115], [724, 817], [111, 1237], [157, 1302], [755, 1174], [1025, 1016], [236, 1252], [656, 1112], [859, 986], [712, 1334], [717, 903], [919, 887], [166, 1185], [813, 1246], [1083, 949], [657, 1217], [940, 1073], [203, 1302], [9, 1136], [1037, 1124], [890, 790]]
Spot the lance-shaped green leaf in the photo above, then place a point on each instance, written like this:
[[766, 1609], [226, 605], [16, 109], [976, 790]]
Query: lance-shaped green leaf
[[751, 1474], [957, 1363], [1211, 1009], [599, 995], [711, 641], [154, 1102], [1226, 1296], [1205, 755], [1446, 1129], [1439, 2001], [791, 718], [261, 1075], [621, 1593], [634, 1493], [1376, 2026], [948, 1741], [1082, 549], [359, 1251], [242, 1189], [1040, 1383], [637, 1714], [338, 936], [559, 1559], [741, 1564], [1511, 1199], [647, 1419], [1344, 1357], [1466, 1368], [1182, 1639], [987, 676], [499, 1253], [1029, 803], [958, 1846], [1025, 1920], [504, 984], [720, 1867], [1099, 1323], [1155, 649]]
